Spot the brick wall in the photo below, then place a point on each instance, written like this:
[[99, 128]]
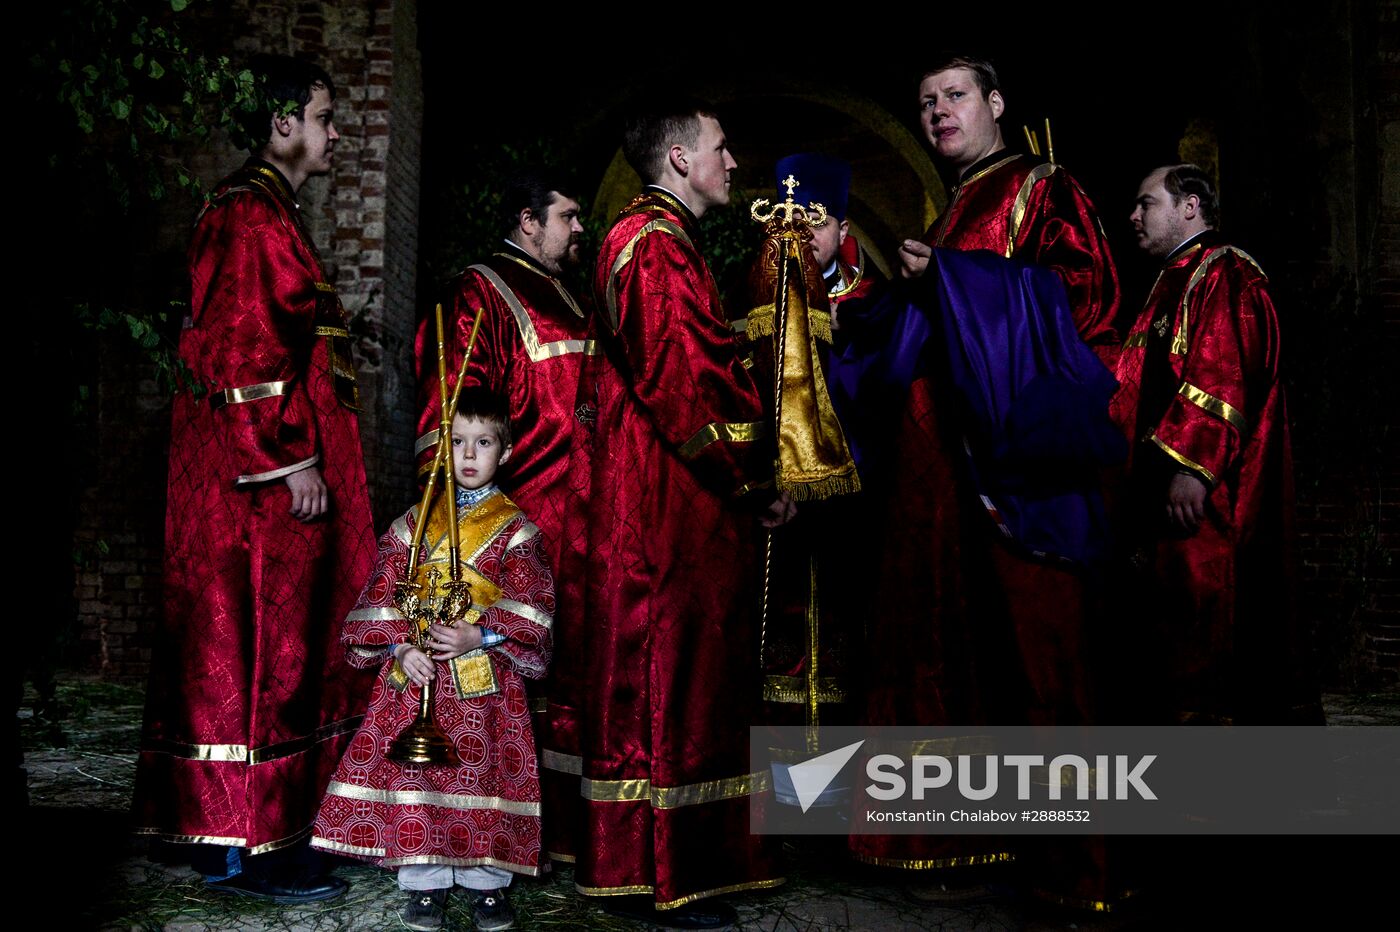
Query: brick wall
[[1339, 176], [1382, 621], [362, 220]]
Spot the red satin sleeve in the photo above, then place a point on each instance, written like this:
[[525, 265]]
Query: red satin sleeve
[[1231, 366], [682, 361], [254, 318], [1062, 231], [524, 612], [374, 623]]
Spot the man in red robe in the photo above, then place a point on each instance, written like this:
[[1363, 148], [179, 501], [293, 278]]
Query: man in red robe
[[1209, 512], [268, 529], [1014, 205], [530, 349], [973, 628], [670, 660]]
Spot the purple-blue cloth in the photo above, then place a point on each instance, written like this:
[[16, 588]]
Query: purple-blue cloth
[[1036, 400], [1032, 397], [877, 354]]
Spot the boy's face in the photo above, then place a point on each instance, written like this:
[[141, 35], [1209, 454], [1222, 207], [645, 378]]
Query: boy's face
[[476, 451]]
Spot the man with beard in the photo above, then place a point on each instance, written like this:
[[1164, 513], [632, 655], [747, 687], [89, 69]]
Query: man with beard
[[669, 663], [268, 530], [1209, 513], [530, 350], [532, 342]]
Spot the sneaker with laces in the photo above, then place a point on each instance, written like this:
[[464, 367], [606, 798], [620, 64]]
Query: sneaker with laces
[[492, 911], [425, 910]]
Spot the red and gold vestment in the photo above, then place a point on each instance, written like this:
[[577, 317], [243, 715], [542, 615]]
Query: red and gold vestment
[[670, 658], [531, 348], [251, 703], [972, 631], [486, 809], [1201, 394]]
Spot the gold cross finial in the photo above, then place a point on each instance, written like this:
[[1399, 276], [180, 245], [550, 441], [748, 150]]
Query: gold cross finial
[[813, 215]]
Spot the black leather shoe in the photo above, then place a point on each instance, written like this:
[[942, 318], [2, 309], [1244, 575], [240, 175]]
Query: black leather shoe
[[702, 914], [287, 890]]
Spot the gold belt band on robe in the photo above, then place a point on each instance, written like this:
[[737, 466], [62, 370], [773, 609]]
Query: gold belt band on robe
[[236, 396]]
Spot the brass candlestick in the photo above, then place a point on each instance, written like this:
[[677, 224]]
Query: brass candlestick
[[424, 598], [425, 602]]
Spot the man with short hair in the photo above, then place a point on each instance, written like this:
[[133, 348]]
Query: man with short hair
[[268, 529], [530, 350], [673, 553], [980, 623], [1014, 205], [1211, 488], [532, 341]]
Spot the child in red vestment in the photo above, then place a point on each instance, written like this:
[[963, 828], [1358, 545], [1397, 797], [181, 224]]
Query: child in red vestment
[[475, 823]]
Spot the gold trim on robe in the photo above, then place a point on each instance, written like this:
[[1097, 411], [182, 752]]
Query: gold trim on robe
[[741, 432], [1188, 463], [1180, 341], [558, 285], [257, 392], [857, 274], [972, 860], [674, 797], [375, 613], [563, 763], [279, 473], [528, 612], [793, 689], [672, 904], [1216, 406], [1023, 199], [239, 753], [226, 841], [659, 225], [537, 351], [427, 798]]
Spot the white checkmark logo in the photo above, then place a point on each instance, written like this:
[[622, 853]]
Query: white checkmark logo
[[811, 777]]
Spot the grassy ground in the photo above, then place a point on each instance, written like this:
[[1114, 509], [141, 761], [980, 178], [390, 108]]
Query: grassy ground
[[80, 862], [79, 751]]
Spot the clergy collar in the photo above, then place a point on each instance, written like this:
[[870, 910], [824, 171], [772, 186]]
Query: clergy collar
[[987, 164], [517, 252], [1205, 237], [270, 171], [675, 199]]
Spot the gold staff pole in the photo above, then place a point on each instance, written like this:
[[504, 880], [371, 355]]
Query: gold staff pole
[[786, 220], [779, 332], [422, 742], [442, 449], [445, 442]]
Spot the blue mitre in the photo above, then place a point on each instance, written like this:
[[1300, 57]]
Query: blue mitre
[[824, 180]]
